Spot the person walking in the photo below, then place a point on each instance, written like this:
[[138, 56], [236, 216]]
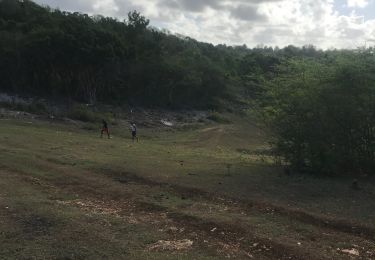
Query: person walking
[[133, 129], [105, 129]]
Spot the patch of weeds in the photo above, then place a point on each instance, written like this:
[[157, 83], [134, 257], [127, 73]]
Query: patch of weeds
[[6, 105], [258, 152], [148, 238], [218, 118], [37, 107], [36, 225], [89, 115], [82, 113], [90, 127]]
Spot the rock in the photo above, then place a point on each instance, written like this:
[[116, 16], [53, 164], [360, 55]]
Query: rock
[[352, 251], [177, 245], [166, 123]]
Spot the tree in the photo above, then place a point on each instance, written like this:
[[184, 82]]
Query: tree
[[323, 116], [137, 21]]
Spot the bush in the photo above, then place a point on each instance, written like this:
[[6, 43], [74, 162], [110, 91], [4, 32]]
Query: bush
[[82, 113], [37, 107], [90, 126], [218, 118]]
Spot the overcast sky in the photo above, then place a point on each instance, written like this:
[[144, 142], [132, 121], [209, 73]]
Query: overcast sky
[[323, 23]]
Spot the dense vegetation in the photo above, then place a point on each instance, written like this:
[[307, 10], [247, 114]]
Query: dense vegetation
[[322, 113], [319, 105], [52, 53]]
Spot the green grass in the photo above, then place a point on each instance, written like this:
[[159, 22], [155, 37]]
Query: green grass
[[64, 187]]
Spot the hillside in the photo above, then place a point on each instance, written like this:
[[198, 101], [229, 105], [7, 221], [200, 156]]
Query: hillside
[[243, 153], [201, 193], [73, 56]]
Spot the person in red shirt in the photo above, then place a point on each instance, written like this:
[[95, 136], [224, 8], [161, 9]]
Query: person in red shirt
[[105, 130]]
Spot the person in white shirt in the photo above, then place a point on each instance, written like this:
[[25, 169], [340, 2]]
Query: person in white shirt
[[133, 128]]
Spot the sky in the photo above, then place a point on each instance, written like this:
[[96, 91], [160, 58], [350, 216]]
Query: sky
[[324, 23]]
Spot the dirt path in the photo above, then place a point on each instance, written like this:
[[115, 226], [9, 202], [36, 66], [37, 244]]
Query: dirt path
[[126, 197], [334, 230], [339, 225], [224, 239]]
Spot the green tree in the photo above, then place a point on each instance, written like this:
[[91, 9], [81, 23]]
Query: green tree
[[322, 116]]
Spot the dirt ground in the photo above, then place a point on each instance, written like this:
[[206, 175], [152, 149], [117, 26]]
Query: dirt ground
[[65, 193]]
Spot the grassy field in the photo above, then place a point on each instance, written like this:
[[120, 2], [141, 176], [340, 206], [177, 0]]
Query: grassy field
[[195, 193]]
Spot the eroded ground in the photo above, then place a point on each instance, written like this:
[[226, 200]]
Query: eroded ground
[[202, 193]]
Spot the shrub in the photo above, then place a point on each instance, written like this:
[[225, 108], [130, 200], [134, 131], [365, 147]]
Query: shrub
[[218, 118], [82, 113], [37, 107]]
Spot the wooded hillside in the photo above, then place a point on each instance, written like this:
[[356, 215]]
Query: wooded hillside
[[318, 105], [52, 53]]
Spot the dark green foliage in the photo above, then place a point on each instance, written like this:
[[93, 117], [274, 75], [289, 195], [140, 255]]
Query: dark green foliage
[[55, 54], [38, 107], [322, 113], [82, 113], [319, 105], [217, 117], [35, 107], [50, 53]]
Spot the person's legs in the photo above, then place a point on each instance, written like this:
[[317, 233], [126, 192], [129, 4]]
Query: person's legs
[[105, 130]]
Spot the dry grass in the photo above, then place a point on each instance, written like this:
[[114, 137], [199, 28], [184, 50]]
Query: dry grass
[[63, 187]]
